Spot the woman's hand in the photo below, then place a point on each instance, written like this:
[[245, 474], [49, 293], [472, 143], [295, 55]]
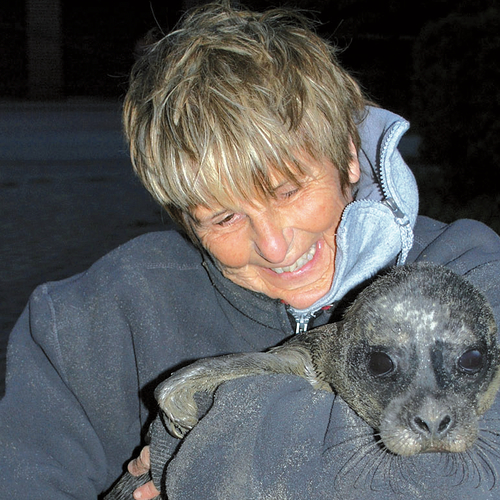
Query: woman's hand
[[139, 466]]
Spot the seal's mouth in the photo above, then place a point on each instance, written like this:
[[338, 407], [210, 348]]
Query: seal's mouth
[[437, 448], [405, 443]]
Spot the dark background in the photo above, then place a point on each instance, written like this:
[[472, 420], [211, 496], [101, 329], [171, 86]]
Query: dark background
[[67, 194], [435, 62], [99, 37]]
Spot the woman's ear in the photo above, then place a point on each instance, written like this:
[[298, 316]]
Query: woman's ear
[[354, 171]]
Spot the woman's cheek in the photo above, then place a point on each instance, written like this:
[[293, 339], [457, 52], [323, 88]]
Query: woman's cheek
[[229, 250], [321, 216]]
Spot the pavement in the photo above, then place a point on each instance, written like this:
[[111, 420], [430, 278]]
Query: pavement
[[67, 196]]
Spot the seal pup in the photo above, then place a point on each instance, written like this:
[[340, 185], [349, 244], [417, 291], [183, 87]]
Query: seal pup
[[415, 356]]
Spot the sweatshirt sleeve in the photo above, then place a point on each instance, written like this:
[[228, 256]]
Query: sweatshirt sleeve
[[257, 441], [48, 447], [274, 437]]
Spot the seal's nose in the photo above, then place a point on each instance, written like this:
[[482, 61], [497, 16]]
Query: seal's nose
[[436, 426]]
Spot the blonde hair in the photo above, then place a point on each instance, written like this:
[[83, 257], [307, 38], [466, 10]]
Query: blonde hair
[[222, 104]]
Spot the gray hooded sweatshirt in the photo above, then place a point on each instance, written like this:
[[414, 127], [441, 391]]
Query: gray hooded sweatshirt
[[87, 353]]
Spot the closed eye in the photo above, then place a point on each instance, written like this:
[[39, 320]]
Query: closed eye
[[290, 193], [286, 190], [226, 220]]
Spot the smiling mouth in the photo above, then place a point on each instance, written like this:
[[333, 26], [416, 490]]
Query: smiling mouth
[[302, 261]]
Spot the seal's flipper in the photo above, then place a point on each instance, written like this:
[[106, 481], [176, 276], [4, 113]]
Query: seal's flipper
[[175, 395]]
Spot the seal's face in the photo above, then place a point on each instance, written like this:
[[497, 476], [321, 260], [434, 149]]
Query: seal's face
[[425, 360]]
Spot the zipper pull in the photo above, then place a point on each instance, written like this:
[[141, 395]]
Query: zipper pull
[[405, 229], [398, 214], [302, 323]]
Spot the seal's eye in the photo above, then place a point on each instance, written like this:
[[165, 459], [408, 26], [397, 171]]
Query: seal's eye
[[471, 361], [380, 363]]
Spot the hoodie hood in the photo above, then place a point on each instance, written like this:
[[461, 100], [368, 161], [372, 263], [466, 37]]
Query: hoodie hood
[[376, 229]]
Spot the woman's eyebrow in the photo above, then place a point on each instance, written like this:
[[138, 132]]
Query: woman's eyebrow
[[220, 212], [283, 184], [209, 217]]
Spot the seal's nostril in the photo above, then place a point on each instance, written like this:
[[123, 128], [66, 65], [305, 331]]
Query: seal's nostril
[[444, 424], [422, 425], [433, 427]]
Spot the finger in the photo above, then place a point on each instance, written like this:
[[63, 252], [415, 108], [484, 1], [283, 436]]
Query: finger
[[147, 491], [141, 464]]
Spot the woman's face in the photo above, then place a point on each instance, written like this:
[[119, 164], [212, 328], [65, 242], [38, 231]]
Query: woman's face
[[284, 246]]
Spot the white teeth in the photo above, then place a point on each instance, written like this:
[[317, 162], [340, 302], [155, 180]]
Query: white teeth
[[297, 264]]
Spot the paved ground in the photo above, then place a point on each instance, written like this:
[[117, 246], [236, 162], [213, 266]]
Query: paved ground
[[67, 196]]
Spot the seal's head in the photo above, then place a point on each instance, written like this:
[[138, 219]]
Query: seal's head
[[416, 357]]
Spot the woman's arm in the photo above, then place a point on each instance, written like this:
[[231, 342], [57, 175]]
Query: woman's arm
[[48, 447]]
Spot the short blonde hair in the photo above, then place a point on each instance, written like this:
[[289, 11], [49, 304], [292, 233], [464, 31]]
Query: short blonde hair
[[222, 104]]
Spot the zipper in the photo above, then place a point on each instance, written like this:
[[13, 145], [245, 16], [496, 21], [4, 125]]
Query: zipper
[[401, 218], [398, 214], [388, 200], [302, 323], [393, 130], [406, 230]]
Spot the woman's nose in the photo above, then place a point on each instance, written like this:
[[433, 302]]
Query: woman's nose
[[271, 238]]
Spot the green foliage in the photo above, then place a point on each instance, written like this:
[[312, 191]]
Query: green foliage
[[457, 98]]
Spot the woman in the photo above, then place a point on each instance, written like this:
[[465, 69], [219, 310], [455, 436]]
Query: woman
[[291, 192]]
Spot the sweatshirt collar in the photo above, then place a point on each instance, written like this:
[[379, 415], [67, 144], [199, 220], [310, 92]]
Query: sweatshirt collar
[[257, 306]]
